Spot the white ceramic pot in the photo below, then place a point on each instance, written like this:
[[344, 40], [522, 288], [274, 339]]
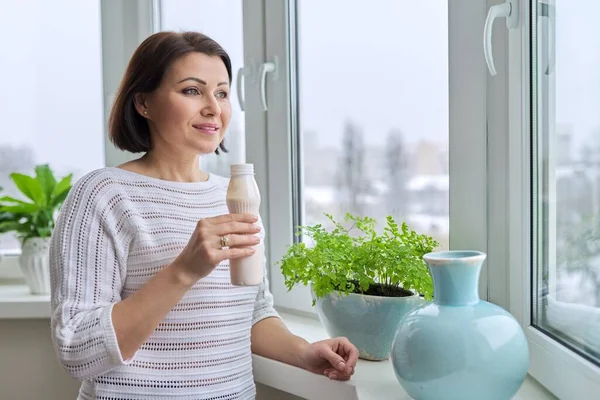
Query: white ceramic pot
[[34, 261]]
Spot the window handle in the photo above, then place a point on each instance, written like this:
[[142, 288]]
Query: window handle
[[547, 22], [264, 69], [508, 10], [239, 83], [244, 74]]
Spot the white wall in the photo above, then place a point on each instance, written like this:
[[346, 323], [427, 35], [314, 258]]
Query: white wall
[[268, 393], [28, 366]]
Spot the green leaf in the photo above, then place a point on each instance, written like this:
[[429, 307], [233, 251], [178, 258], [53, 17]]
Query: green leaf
[[34, 219], [58, 200], [12, 226], [61, 190], [44, 232], [46, 179], [25, 208], [353, 259], [8, 199], [30, 187]]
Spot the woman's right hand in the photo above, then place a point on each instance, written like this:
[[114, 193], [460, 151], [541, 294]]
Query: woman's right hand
[[204, 250]]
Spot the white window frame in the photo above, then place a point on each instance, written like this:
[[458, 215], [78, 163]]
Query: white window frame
[[467, 127], [563, 372], [279, 160]]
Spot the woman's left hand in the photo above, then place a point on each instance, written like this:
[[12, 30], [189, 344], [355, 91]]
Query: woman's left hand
[[335, 358]]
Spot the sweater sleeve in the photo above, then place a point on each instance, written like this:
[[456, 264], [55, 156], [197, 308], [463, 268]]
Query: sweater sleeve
[[88, 255], [263, 307]]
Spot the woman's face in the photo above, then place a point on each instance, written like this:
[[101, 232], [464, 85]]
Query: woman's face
[[190, 110]]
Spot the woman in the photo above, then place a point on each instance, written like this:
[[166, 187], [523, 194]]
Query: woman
[[142, 305]]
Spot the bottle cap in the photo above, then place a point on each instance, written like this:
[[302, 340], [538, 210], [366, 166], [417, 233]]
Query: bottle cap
[[242, 169]]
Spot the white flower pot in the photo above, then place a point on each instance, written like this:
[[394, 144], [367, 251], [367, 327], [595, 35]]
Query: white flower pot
[[34, 261]]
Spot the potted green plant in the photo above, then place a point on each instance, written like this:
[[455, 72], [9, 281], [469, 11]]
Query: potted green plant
[[33, 221], [362, 282]]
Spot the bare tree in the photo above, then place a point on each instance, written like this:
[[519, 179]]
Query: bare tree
[[396, 160], [578, 221], [352, 178], [581, 252]]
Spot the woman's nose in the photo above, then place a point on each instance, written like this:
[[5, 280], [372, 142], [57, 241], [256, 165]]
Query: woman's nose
[[211, 107]]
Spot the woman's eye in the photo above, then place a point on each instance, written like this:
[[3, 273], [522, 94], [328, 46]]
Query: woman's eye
[[222, 95], [192, 91]]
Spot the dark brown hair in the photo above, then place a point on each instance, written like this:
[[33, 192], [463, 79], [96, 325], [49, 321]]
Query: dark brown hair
[[128, 130]]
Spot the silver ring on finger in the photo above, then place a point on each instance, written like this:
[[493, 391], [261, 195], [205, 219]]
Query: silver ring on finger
[[224, 242]]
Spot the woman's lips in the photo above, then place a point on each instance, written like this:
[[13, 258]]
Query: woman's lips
[[207, 129]]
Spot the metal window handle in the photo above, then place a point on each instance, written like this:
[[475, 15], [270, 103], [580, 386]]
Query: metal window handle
[[245, 74], [264, 69], [508, 10], [239, 83], [548, 22]]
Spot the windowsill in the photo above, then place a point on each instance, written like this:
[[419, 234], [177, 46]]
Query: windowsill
[[10, 270], [16, 302], [372, 380]]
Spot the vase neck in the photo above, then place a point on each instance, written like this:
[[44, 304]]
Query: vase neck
[[456, 277]]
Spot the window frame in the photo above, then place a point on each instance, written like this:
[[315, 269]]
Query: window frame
[[562, 371], [467, 129], [281, 130]]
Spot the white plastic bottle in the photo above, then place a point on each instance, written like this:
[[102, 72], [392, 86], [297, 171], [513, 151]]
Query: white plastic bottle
[[243, 197]]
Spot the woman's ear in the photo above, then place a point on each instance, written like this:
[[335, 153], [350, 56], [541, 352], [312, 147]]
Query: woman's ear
[[139, 100]]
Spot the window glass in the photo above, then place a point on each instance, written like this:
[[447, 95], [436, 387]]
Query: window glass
[[566, 173], [373, 111], [51, 106]]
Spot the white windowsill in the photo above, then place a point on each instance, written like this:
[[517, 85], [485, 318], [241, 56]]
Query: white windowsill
[[9, 265], [372, 380], [16, 302]]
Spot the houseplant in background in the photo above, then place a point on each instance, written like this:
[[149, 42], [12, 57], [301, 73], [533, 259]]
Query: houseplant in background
[[33, 221], [363, 282]]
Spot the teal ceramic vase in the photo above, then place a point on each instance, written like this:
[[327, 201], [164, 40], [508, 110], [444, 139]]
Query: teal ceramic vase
[[369, 322], [459, 347]]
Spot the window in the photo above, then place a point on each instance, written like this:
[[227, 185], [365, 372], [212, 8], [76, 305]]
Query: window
[[552, 192], [373, 112], [54, 111], [222, 21], [566, 175], [370, 94], [372, 116]]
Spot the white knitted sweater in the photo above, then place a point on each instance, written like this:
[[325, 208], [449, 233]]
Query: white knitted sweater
[[115, 231]]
